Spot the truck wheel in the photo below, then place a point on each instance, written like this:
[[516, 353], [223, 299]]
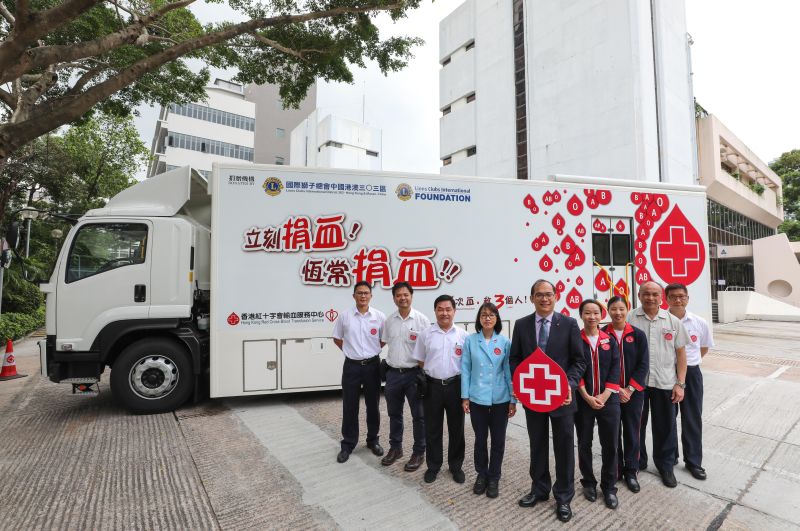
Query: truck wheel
[[152, 376]]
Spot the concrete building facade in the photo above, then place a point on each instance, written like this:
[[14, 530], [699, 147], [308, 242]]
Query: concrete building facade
[[326, 141]]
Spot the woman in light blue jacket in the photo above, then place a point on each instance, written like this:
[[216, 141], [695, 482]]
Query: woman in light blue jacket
[[486, 395]]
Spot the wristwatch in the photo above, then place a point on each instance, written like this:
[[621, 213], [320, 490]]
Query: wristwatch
[[680, 384], [631, 388]]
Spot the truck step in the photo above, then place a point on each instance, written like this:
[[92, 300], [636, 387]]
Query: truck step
[[87, 381]]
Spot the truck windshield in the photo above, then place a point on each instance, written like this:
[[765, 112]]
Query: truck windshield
[[105, 246]]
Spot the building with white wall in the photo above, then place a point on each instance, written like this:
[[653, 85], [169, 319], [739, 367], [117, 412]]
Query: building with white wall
[[196, 134], [597, 87], [326, 141]]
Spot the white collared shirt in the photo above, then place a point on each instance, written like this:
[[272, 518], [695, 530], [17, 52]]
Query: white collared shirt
[[441, 351], [699, 336], [664, 334], [400, 335], [360, 333]]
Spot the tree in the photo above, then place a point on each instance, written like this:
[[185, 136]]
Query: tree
[[787, 166], [59, 59]]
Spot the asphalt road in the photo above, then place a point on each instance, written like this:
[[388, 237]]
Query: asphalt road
[[81, 462]]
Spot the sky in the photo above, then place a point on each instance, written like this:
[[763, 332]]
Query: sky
[[742, 73]]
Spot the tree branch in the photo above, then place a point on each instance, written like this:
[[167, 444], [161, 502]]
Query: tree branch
[[8, 99], [278, 46], [6, 14]]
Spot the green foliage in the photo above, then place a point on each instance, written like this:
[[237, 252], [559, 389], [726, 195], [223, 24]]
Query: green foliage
[[17, 325], [756, 187], [787, 166], [19, 294]]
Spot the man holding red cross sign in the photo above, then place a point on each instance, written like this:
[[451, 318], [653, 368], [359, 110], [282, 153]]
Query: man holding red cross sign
[[547, 361]]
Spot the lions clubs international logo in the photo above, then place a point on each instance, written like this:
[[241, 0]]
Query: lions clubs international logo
[[272, 186], [404, 191]]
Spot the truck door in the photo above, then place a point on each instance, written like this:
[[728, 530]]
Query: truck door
[[612, 264], [105, 278]]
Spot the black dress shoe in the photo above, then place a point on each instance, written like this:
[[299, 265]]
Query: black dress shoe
[[343, 456], [480, 485], [611, 500], [391, 456], [698, 472], [590, 493], [430, 476], [376, 448], [668, 479], [414, 463], [632, 483], [530, 499], [563, 512], [492, 490], [458, 476]]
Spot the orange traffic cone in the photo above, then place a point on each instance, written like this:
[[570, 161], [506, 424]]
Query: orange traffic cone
[[9, 370]]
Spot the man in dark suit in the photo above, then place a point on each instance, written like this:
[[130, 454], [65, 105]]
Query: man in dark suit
[[559, 337]]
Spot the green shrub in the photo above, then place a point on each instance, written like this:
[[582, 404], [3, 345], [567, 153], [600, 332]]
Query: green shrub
[[16, 325], [22, 297]]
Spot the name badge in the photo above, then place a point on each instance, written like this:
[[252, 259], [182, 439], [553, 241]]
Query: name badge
[[694, 338], [668, 335], [497, 351], [458, 350], [629, 339]]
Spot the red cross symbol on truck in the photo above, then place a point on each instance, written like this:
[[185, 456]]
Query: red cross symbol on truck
[[678, 251], [540, 383]]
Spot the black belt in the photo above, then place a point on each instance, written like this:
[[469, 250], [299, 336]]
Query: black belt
[[446, 381], [367, 361], [401, 370]]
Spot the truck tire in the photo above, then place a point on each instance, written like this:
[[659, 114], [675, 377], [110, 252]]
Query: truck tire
[[152, 375]]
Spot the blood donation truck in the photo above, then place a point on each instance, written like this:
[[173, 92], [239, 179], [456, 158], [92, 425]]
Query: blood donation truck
[[240, 279]]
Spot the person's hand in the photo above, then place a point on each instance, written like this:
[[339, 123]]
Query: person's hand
[[677, 393], [595, 402], [624, 395], [512, 410], [568, 400], [465, 405]]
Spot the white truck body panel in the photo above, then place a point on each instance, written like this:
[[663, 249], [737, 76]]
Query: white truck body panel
[[283, 265]]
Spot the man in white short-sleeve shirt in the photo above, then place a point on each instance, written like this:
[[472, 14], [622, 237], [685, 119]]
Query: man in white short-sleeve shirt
[[691, 407], [357, 333]]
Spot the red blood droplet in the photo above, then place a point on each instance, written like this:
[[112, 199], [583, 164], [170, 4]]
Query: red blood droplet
[[574, 298], [560, 286], [580, 230], [556, 197], [536, 244], [592, 202], [588, 192], [621, 288], [578, 257], [535, 209], [540, 383], [620, 226], [641, 214], [662, 202], [569, 264], [516, 259], [527, 224], [648, 223], [640, 260], [643, 232], [564, 311], [557, 250], [664, 304], [599, 226], [574, 205], [558, 222], [568, 245], [233, 319], [601, 281], [547, 198], [636, 198], [579, 281], [642, 276], [544, 238], [654, 212], [603, 312], [545, 263], [529, 201], [640, 245], [603, 196], [677, 251]]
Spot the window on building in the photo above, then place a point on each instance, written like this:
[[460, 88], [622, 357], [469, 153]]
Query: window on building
[[280, 132], [471, 151], [214, 147], [279, 161], [471, 98], [446, 111], [372, 153], [469, 46], [207, 114], [446, 62], [447, 161]]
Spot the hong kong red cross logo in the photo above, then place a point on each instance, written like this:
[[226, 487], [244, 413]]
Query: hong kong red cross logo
[[539, 384], [678, 252]]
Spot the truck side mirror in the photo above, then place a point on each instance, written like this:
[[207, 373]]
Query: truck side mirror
[[12, 234]]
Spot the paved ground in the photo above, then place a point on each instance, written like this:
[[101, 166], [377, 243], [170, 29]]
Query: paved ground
[[80, 462]]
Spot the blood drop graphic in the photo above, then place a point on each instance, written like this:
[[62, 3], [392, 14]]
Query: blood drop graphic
[[599, 226], [536, 244], [592, 202], [547, 198], [620, 226], [567, 244], [560, 286], [528, 201], [621, 288], [643, 232], [557, 250], [580, 230], [662, 202], [664, 305], [603, 196], [642, 276], [565, 311], [540, 383], [579, 281], [636, 198], [653, 212], [574, 298], [640, 245], [574, 205], [569, 264], [544, 239], [558, 222], [556, 197], [233, 319], [677, 251], [640, 260], [579, 257], [601, 281], [545, 263]]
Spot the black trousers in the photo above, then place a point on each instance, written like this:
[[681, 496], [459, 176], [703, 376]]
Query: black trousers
[[664, 428], [356, 377], [563, 450], [402, 386], [628, 445], [691, 409], [607, 420], [441, 400], [489, 421]]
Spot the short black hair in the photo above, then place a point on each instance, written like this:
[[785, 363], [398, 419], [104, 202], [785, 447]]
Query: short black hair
[[362, 283], [498, 326], [675, 286], [443, 298], [401, 285], [535, 284], [617, 298], [590, 301]]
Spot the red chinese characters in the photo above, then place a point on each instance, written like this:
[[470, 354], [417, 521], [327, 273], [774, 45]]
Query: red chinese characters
[[300, 233]]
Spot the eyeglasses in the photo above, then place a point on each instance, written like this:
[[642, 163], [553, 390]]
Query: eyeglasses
[[543, 295], [362, 293], [678, 297], [488, 316]]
